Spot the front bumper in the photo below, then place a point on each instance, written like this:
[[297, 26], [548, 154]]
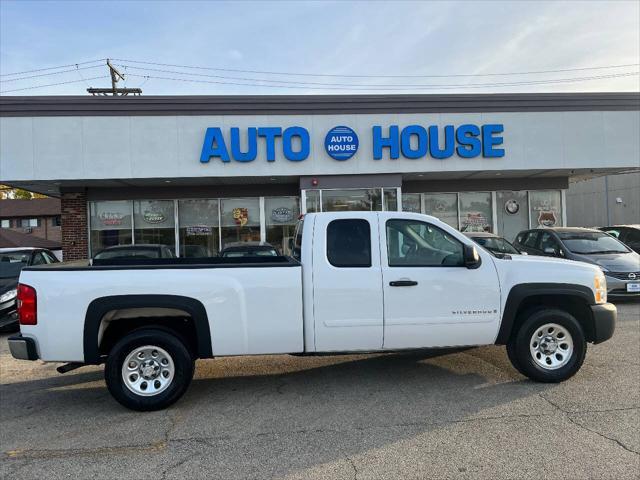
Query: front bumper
[[23, 348], [604, 321], [617, 287]]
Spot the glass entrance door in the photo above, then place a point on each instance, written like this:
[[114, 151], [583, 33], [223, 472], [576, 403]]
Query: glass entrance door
[[351, 200], [512, 211]]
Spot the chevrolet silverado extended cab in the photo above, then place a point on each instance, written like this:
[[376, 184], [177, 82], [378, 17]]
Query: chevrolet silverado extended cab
[[357, 282]]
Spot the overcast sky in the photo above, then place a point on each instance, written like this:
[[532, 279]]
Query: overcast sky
[[331, 38]]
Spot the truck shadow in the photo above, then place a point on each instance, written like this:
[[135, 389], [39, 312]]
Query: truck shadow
[[313, 410]]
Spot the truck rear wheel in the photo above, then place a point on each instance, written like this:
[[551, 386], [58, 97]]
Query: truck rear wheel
[[548, 347], [148, 369]]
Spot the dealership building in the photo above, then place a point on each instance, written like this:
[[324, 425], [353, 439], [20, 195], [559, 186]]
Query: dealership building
[[198, 173]]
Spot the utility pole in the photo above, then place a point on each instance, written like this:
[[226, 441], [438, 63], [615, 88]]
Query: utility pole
[[115, 91]]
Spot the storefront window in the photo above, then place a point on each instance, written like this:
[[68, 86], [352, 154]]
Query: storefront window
[[153, 222], [110, 224], [411, 202], [352, 200], [240, 220], [198, 226], [313, 201], [476, 212], [281, 214], [443, 206], [545, 208], [390, 196]]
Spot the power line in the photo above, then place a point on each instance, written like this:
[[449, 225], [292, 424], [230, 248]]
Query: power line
[[51, 84], [51, 68], [320, 84], [423, 87], [50, 73], [533, 72]]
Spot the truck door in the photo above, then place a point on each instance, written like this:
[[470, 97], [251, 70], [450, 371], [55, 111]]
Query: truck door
[[430, 298], [347, 282]]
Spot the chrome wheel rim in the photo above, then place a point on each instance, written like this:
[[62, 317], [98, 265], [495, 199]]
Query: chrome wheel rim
[[551, 346], [148, 370]]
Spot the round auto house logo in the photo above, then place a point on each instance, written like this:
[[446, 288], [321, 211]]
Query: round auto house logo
[[341, 143]]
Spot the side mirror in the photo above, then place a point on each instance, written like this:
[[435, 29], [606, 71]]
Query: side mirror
[[472, 259]]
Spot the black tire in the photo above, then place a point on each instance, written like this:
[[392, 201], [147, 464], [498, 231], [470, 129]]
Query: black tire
[[183, 364], [519, 352]]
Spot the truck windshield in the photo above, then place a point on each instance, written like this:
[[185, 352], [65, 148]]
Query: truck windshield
[[591, 243]]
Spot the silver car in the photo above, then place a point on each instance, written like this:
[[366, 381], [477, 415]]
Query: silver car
[[620, 264]]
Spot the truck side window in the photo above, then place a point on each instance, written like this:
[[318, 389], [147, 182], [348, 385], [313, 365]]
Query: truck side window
[[412, 243], [349, 243]]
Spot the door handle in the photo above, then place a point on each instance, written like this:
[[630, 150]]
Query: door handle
[[403, 283]]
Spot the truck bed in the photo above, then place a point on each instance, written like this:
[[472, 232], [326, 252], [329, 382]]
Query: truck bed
[[253, 306]]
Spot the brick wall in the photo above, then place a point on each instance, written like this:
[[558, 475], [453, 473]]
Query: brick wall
[[75, 245]]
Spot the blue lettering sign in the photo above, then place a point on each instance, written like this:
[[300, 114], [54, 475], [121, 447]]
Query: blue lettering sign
[[391, 142], [287, 144], [270, 134], [252, 149], [469, 145], [421, 135], [341, 143], [434, 142], [439, 143], [214, 146], [489, 140]]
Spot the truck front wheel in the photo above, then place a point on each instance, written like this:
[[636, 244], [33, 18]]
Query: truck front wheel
[[548, 347], [148, 369]]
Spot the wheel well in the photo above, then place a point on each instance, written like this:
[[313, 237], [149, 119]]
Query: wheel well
[[109, 318], [114, 325], [573, 304]]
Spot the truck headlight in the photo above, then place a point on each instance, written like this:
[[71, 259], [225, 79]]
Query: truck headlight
[[10, 295], [600, 287]]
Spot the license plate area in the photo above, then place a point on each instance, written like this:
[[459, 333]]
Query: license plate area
[[633, 287]]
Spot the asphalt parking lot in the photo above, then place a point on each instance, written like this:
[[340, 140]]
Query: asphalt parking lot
[[464, 414]]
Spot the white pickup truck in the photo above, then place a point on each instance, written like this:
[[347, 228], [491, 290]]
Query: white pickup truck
[[358, 282]]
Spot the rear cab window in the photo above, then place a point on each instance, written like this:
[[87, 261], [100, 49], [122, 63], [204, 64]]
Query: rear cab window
[[349, 243]]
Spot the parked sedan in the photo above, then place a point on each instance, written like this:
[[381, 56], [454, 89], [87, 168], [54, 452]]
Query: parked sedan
[[12, 261], [248, 249], [627, 234], [620, 264], [133, 252], [495, 244]]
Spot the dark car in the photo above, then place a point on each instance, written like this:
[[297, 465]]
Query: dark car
[[620, 264], [248, 249], [12, 261], [133, 252], [627, 234], [494, 243]]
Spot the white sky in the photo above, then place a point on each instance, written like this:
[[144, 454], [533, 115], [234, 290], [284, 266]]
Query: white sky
[[335, 38]]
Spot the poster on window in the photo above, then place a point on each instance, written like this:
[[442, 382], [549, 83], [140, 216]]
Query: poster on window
[[149, 214], [112, 215], [476, 212], [443, 206], [546, 208]]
